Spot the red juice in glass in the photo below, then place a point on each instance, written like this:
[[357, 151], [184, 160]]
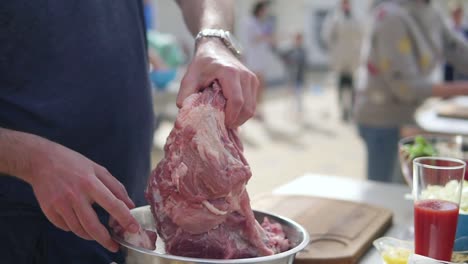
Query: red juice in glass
[[435, 220], [466, 172]]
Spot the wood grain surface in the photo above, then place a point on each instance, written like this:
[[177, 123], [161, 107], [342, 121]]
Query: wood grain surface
[[340, 231]]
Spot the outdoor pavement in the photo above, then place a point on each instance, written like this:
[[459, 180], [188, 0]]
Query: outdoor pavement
[[286, 145]]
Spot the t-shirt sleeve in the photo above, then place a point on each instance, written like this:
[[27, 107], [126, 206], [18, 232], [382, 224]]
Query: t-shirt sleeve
[[396, 62]]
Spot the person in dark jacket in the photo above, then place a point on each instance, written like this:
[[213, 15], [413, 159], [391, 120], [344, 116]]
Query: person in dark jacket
[[296, 63], [457, 18]]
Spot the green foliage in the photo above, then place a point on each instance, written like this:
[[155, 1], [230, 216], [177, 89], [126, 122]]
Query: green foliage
[[420, 148]]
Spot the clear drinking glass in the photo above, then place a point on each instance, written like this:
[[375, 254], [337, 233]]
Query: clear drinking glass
[[437, 187]]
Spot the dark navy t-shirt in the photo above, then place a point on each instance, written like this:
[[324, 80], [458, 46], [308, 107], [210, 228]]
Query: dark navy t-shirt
[[75, 72]]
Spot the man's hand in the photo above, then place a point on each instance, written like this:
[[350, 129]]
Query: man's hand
[[214, 62], [66, 184]]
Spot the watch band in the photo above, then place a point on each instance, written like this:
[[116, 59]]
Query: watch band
[[223, 35]]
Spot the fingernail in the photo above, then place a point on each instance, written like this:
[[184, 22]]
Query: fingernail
[[133, 228], [115, 248]]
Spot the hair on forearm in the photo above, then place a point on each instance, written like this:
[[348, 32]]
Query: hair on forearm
[[200, 14]]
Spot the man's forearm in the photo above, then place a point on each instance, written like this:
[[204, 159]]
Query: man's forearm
[[16, 152], [200, 14]]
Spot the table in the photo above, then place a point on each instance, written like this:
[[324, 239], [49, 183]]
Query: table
[[386, 195], [426, 117]]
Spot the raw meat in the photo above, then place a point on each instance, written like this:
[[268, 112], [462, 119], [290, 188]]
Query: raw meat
[[143, 238], [197, 192]]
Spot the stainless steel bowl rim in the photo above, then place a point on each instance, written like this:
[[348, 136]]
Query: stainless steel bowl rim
[[284, 254]]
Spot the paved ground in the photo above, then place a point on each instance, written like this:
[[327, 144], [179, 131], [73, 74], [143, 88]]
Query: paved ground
[[286, 146]]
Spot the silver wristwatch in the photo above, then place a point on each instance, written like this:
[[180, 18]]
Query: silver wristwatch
[[225, 36]]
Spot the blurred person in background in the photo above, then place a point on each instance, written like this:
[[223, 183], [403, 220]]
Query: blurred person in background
[[343, 33], [457, 24], [149, 10], [154, 60], [258, 41], [295, 61], [409, 39], [76, 118]]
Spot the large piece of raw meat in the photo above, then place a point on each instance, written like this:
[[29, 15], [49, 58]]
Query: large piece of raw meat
[[197, 192]]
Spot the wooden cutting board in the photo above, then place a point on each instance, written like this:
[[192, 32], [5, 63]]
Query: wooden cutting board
[[340, 231]]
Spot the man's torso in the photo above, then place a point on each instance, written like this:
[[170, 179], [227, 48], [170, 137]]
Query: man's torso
[[75, 72]]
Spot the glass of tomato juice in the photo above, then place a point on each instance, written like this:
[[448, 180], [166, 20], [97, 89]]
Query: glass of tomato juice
[[437, 187]]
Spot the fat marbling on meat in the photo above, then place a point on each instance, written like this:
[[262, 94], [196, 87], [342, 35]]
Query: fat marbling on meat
[[197, 192]]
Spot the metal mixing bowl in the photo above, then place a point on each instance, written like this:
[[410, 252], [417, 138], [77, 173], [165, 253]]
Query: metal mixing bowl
[[296, 234]]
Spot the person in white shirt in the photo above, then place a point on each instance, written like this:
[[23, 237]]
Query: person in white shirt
[[343, 33]]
